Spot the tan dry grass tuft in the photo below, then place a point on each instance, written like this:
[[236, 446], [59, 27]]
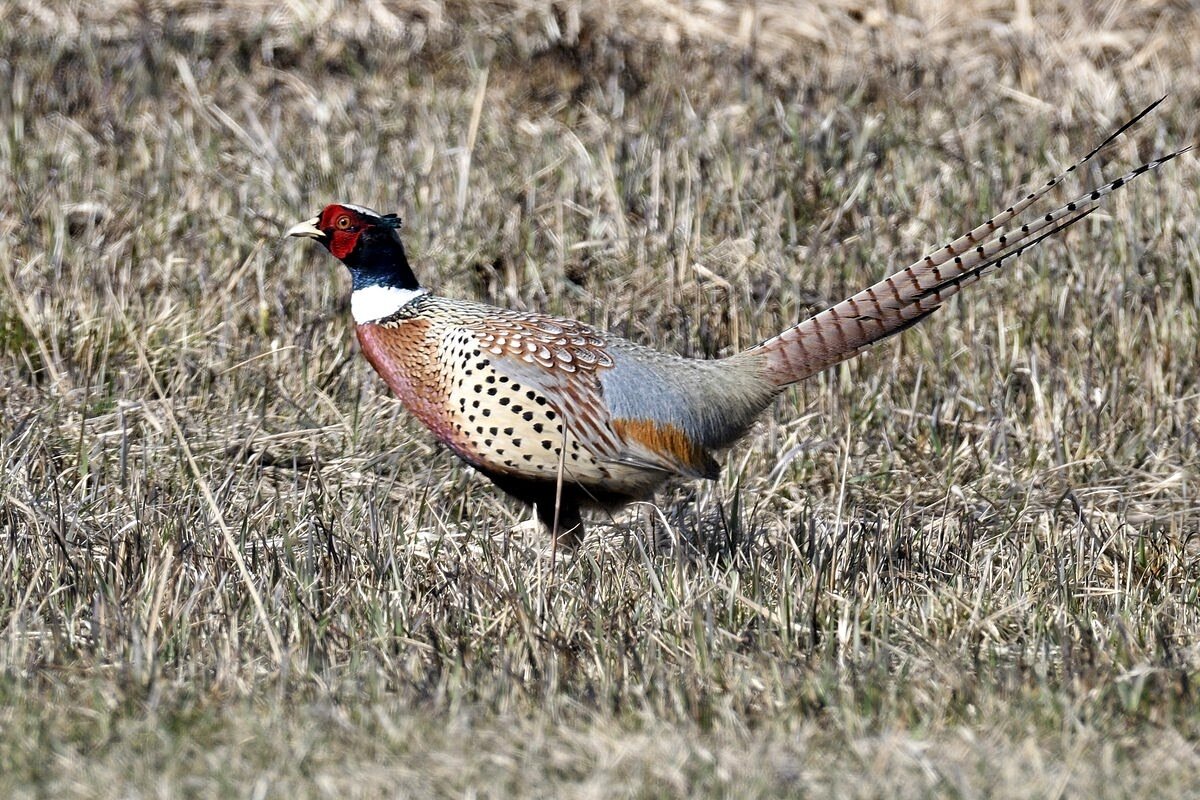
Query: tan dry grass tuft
[[962, 565]]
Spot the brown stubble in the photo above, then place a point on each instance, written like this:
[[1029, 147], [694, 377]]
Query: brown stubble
[[962, 564]]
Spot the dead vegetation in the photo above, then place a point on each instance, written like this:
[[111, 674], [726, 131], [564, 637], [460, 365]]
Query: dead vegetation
[[962, 565]]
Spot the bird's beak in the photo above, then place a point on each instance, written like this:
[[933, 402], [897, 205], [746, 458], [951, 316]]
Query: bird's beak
[[307, 228]]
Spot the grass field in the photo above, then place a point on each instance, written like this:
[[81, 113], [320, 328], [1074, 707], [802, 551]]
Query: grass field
[[964, 565]]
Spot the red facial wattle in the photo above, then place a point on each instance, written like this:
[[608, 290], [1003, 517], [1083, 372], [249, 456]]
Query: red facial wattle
[[342, 243], [343, 226]]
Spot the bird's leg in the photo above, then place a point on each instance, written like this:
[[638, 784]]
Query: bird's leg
[[566, 526]]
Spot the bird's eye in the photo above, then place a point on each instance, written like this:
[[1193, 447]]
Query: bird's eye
[[343, 222]]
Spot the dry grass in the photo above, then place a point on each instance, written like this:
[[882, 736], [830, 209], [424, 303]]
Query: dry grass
[[963, 565]]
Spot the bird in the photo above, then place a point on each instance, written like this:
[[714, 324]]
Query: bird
[[565, 417]]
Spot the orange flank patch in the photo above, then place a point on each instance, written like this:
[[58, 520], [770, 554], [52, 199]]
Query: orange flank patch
[[670, 443]]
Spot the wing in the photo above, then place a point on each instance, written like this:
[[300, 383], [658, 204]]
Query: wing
[[556, 365]]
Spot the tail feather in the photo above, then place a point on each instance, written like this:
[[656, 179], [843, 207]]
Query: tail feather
[[908, 296], [985, 231]]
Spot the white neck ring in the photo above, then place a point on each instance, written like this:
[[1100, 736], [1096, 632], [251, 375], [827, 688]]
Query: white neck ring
[[371, 303]]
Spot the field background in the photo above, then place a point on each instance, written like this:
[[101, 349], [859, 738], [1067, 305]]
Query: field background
[[964, 565]]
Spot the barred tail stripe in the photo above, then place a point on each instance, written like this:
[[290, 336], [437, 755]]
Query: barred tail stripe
[[898, 301], [1011, 244], [984, 232]]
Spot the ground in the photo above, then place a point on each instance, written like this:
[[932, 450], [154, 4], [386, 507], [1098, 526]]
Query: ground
[[963, 565]]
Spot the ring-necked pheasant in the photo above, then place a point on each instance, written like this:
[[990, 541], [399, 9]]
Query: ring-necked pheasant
[[563, 416]]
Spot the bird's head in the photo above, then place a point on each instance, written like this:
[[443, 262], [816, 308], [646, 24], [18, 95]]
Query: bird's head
[[367, 242]]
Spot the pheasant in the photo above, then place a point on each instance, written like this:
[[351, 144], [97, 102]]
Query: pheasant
[[565, 417]]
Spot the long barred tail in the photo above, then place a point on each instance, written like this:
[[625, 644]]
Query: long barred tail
[[908, 296]]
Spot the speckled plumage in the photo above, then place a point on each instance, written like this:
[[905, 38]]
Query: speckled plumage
[[507, 391], [565, 417]]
